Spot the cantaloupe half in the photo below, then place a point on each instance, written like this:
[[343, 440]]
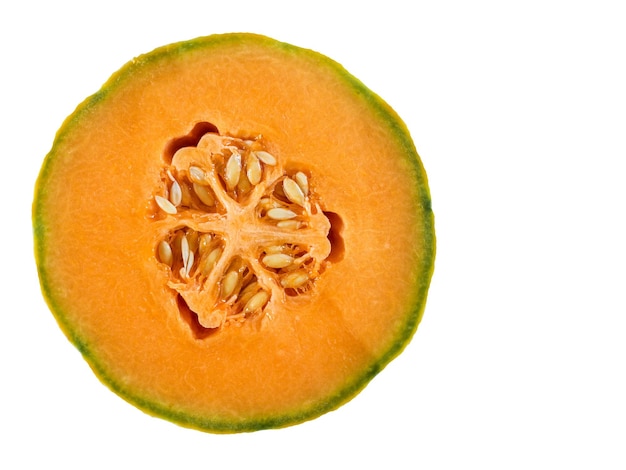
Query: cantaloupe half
[[235, 233]]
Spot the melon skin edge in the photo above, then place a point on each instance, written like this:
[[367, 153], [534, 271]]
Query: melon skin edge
[[428, 246]]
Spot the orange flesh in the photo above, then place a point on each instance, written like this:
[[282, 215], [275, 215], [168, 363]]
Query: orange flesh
[[111, 294]]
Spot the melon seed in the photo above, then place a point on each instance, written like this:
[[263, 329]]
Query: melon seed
[[247, 293], [189, 265], [289, 224], [192, 238], [165, 253], [250, 288], [244, 185], [256, 302], [266, 157], [176, 194], [293, 191], [229, 283], [197, 175], [203, 194], [232, 171], [208, 263], [277, 260], [253, 169], [165, 205], [203, 242], [187, 255], [294, 279], [303, 182], [280, 213]]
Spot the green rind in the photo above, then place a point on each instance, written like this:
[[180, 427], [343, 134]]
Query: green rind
[[427, 246]]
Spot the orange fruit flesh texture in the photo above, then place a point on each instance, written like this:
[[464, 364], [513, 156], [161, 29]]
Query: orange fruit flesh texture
[[96, 245]]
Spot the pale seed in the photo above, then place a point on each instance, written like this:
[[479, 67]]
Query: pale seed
[[253, 169], [197, 175], [186, 254], [232, 171], [192, 238], [176, 194], [184, 247], [266, 203], [244, 185], [277, 260], [165, 205], [190, 260], [303, 182], [266, 157], [289, 224], [247, 293], [203, 194], [203, 242], [256, 302], [293, 191], [274, 249], [165, 253], [279, 213], [249, 289], [186, 195], [209, 262], [294, 279], [229, 283]]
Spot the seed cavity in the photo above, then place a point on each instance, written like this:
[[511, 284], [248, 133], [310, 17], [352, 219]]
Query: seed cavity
[[165, 205], [224, 289]]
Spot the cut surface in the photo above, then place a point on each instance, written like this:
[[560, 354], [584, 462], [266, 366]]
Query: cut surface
[[235, 233]]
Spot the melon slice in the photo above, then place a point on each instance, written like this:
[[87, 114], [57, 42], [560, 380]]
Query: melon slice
[[235, 233]]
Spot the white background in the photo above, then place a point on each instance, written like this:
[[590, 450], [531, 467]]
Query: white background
[[518, 110]]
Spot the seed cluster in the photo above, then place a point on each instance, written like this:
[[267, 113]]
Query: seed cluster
[[290, 262], [213, 192]]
